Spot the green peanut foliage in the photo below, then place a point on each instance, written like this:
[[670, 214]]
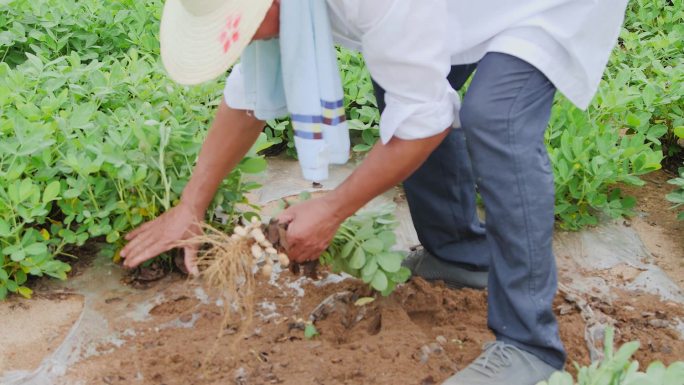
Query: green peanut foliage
[[94, 137], [617, 369], [363, 248], [677, 196]]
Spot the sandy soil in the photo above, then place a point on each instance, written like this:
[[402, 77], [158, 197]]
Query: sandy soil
[[658, 226], [421, 334], [34, 328]]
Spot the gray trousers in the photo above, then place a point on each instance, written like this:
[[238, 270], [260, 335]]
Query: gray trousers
[[500, 148]]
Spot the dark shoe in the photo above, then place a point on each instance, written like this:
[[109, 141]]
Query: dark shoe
[[503, 364], [427, 266]]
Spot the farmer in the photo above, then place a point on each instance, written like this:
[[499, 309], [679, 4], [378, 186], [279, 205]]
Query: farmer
[[418, 53]]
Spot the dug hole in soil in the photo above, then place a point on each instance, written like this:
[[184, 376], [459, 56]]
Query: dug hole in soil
[[421, 334]]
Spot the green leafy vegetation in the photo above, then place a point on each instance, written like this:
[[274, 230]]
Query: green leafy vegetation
[[630, 126], [363, 247], [94, 138], [310, 331], [618, 369], [677, 196]]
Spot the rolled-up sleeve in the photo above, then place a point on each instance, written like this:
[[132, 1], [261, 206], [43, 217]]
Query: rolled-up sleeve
[[407, 54]]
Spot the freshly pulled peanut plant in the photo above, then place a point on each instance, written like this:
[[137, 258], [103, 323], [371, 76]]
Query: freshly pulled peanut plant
[[363, 247]]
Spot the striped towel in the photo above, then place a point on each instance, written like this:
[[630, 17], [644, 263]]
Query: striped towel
[[298, 73]]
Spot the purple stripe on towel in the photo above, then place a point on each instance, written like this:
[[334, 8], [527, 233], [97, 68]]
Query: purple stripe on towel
[[318, 119], [308, 135], [332, 105]]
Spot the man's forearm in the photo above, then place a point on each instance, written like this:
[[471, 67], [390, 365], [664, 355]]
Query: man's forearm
[[231, 135], [384, 167]]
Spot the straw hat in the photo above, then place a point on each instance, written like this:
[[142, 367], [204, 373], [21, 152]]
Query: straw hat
[[201, 39]]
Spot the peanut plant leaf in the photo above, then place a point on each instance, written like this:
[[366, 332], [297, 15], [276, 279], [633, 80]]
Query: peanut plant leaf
[[366, 231], [388, 238], [253, 165], [25, 291], [373, 245], [358, 259], [310, 331], [369, 269], [390, 262], [4, 228], [36, 248], [379, 281], [402, 275], [51, 191], [679, 132], [347, 249], [674, 374], [656, 372]]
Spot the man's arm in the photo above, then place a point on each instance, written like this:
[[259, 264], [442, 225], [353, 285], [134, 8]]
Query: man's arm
[[231, 135], [313, 224]]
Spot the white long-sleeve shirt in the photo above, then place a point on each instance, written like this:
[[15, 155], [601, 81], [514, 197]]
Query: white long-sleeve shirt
[[410, 45]]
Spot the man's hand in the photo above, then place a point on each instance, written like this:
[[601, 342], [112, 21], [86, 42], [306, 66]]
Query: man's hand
[[162, 234], [311, 227], [230, 137]]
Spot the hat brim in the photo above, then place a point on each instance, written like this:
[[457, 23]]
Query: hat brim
[[196, 49]]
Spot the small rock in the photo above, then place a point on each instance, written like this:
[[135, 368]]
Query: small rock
[[423, 355], [565, 309], [627, 223], [423, 358], [429, 380], [629, 308], [435, 348], [661, 314], [659, 323], [241, 376], [185, 318], [647, 314], [441, 340]]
